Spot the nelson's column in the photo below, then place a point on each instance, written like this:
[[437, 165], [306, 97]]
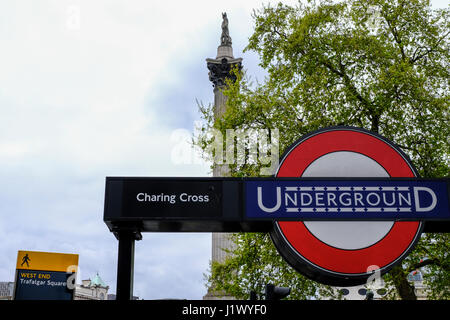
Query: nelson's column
[[219, 70]]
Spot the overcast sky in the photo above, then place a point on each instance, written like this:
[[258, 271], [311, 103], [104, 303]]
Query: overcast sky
[[90, 89]]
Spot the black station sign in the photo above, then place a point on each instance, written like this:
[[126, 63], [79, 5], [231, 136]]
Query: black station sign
[[171, 198], [237, 204], [173, 204]]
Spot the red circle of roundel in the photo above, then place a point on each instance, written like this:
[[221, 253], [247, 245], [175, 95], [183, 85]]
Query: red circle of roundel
[[349, 262]]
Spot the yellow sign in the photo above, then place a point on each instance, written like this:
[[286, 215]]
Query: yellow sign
[[47, 261]]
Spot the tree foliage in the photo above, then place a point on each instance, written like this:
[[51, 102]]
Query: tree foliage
[[376, 64], [255, 263]]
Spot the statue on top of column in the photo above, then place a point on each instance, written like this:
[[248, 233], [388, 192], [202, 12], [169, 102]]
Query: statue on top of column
[[225, 39]]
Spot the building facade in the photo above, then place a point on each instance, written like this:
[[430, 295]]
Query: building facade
[[6, 290], [95, 289]]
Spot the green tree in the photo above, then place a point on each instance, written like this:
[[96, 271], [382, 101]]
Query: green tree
[[382, 65]]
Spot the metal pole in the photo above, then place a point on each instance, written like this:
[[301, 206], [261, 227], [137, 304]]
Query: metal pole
[[125, 264]]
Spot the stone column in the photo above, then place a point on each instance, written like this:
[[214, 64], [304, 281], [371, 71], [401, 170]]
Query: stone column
[[219, 70]]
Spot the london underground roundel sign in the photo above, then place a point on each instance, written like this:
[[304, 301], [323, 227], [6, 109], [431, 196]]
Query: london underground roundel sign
[[344, 253]]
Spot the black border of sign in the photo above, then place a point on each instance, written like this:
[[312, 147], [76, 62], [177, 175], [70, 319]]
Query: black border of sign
[[311, 270], [114, 215]]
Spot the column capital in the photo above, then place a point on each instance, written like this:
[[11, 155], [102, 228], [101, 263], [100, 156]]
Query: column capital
[[220, 69]]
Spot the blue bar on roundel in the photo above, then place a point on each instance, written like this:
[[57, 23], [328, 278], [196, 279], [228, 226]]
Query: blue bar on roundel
[[347, 199]]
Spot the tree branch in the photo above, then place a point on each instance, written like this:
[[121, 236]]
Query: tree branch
[[422, 264], [428, 50], [428, 262], [396, 38], [347, 81]]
